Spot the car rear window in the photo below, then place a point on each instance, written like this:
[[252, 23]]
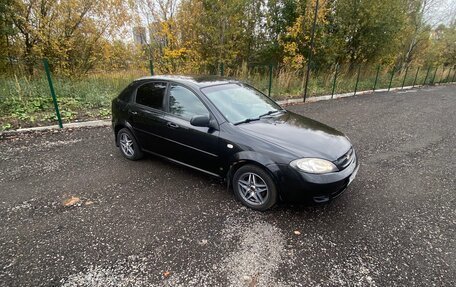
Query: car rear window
[[151, 95]]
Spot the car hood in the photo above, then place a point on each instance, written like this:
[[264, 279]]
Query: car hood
[[299, 135]]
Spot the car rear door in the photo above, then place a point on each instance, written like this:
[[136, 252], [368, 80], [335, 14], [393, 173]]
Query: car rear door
[[146, 115], [194, 146]]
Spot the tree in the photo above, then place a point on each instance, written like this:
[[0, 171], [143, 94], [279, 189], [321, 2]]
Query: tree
[[282, 14], [367, 31], [68, 32], [296, 40], [6, 31], [197, 36], [218, 31]]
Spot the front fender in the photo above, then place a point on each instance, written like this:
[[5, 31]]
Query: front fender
[[251, 156], [245, 157]]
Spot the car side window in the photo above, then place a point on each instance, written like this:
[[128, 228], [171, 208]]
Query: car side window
[[151, 95], [126, 93], [184, 103]]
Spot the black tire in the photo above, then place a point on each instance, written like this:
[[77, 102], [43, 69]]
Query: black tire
[[249, 183], [128, 145]]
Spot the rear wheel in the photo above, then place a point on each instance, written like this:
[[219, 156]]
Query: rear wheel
[[128, 145], [254, 187]]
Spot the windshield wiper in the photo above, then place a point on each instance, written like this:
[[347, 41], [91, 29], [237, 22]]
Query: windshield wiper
[[259, 117], [270, 113], [248, 120]]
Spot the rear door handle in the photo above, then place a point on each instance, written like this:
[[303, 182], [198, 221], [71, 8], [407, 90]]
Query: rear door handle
[[172, 125], [133, 112]]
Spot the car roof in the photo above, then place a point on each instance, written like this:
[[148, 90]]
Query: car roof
[[199, 81]]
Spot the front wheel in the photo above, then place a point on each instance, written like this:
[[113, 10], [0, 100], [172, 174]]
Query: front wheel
[[128, 145], [254, 187]]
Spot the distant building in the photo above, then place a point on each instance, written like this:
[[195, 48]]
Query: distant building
[[139, 35]]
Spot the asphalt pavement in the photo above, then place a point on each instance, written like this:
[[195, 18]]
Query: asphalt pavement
[[74, 212]]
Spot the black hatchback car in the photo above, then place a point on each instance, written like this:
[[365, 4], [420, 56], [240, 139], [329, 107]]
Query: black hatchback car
[[230, 130]]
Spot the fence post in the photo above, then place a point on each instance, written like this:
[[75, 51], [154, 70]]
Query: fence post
[[270, 80], [416, 75], [357, 80], [222, 69], [427, 74], [151, 67], [334, 81], [405, 76], [391, 79], [454, 75], [51, 87], [376, 78], [433, 78]]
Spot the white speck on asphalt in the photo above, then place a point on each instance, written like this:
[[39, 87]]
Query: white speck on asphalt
[[258, 254], [132, 272]]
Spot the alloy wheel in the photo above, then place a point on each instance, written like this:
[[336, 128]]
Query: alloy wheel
[[126, 144], [253, 188]]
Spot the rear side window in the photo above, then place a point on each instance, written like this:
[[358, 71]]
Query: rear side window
[[125, 95], [151, 95]]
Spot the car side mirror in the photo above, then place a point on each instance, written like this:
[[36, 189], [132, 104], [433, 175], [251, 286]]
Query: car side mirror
[[200, 121], [203, 121]]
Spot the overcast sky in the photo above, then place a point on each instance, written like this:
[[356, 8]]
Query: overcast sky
[[441, 11]]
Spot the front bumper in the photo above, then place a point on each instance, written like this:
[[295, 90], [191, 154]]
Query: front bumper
[[299, 186]]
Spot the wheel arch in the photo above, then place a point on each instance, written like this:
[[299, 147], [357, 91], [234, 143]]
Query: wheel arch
[[254, 158], [124, 124]]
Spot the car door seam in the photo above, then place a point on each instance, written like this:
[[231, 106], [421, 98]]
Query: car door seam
[[197, 149]]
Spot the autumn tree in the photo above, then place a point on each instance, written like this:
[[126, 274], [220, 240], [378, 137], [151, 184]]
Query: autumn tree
[[68, 32], [197, 36], [6, 30], [441, 48]]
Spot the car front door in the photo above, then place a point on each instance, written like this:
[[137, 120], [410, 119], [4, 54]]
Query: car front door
[[188, 144], [146, 115]]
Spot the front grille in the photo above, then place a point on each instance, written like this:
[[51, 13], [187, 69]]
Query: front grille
[[345, 160]]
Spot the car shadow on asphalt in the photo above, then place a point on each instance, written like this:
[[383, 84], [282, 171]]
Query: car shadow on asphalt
[[184, 173]]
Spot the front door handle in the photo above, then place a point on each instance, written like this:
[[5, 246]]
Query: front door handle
[[133, 112], [172, 125]]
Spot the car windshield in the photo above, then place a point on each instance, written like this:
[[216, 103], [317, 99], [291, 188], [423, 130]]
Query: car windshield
[[240, 103]]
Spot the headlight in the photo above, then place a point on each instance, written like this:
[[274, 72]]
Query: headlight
[[314, 165]]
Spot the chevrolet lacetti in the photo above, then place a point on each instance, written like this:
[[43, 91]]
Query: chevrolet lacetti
[[230, 130]]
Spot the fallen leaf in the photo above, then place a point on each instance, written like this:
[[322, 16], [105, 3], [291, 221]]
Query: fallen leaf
[[297, 232], [166, 274], [89, 202], [71, 201], [254, 281], [247, 279]]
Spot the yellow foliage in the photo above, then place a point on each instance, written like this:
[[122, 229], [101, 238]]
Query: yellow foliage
[[297, 37]]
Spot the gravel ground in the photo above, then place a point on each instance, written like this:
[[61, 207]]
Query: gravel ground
[[152, 223]]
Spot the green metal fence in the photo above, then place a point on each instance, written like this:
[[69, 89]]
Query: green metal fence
[[33, 92]]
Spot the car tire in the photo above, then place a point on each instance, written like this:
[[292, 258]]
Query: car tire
[[254, 187], [128, 145]]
